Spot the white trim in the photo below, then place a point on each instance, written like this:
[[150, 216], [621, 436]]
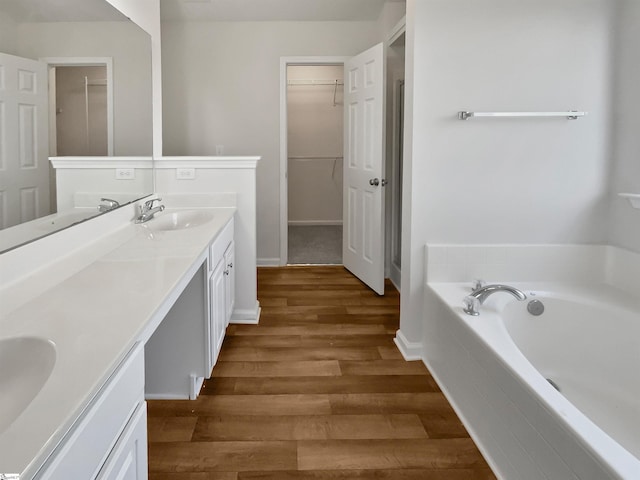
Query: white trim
[[207, 162], [395, 276], [284, 207], [410, 350], [101, 162], [247, 316], [268, 262], [164, 396], [315, 222], [397, 30], [195, 385], [92, 62]]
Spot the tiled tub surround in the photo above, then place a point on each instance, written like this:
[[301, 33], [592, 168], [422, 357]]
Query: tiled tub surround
[[94, 302], [525, 428]]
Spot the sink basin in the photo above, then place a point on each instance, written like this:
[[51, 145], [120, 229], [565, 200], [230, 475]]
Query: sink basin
[[179, 220], [25, 365]]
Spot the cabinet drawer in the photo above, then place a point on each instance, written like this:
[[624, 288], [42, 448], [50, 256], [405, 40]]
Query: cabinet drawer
[[84, 449], [128, 460], [220, 244]]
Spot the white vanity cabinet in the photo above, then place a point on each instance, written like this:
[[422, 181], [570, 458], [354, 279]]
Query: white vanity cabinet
[[109, 440], [221, 284], [184, 348], [128, 459], [229, 281]]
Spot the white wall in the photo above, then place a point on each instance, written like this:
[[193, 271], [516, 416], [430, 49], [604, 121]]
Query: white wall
[[502, 180], [7, 34], [315, 130], [237, 177], [146, 14], [625, 221], [221, 87], [130, 48], [83, 187]]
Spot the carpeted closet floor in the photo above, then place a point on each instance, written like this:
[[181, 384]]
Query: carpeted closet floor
[[315, 245]]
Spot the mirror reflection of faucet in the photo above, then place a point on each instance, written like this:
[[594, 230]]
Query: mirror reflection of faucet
[[108, 204], [147, 210], [473, 301]]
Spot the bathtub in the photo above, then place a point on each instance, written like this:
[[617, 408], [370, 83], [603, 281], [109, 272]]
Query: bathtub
[[552, 396]]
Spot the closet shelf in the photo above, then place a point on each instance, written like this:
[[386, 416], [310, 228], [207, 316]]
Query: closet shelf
[[634, 198]]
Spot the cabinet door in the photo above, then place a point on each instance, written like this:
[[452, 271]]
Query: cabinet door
[[128, 460], [217, 307], [230, 282], [82, 454]]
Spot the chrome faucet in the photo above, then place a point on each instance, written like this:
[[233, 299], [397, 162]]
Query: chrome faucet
[[109, 204], [147, 210], [479, 295]]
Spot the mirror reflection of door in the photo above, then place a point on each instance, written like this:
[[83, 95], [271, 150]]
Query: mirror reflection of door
[[24, 170], [81, 111]]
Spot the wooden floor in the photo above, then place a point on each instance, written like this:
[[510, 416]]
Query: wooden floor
[[317, 391]]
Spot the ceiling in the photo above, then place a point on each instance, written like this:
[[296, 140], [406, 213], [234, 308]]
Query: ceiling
[[60, 11], [271, 10]]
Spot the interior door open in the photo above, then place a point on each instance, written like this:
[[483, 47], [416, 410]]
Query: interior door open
[[24, 165], [364, 141]]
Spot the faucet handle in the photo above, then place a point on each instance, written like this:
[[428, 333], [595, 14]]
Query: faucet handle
[[112, 203], [477, 284], [471, 305], [148, 205]]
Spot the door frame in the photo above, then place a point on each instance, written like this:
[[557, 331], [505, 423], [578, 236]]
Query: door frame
[[284, 186], [80, 62]]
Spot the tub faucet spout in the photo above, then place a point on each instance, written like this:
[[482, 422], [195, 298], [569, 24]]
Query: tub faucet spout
[[478, 296]]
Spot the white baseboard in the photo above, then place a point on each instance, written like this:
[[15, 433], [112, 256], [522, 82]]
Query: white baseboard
[[395, 276], [268, 262], [294, 223], [247, 316], [164, 396], [410, 350]]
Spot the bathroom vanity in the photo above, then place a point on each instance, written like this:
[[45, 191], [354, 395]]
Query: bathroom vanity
[[144, 308]]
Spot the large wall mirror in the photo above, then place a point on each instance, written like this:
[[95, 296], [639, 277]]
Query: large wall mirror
[[75, 84]]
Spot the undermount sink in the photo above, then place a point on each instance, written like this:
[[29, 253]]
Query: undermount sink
[[179, 220], [25, 365]]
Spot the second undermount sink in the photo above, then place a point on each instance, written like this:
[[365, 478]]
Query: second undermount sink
[[25, 365], [179, 220]]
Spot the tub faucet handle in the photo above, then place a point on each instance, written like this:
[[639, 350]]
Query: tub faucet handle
[[478, 283]]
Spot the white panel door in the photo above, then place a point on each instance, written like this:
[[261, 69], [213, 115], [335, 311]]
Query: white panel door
[[24, 164], [363, 236]]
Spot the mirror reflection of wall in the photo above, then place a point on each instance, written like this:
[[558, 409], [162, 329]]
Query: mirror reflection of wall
[[67, 36], [81, 111]]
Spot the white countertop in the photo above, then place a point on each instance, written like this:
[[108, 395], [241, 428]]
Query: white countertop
[[94, 316]]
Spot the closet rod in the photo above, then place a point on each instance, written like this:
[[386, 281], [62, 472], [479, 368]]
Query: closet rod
[[315, 82]]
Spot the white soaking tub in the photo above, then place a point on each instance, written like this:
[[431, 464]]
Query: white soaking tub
[[549, 396]]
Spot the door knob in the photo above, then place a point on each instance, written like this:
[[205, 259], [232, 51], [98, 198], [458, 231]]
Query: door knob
[[374, 182]]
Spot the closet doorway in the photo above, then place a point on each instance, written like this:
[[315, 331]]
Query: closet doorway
[[315, 116], [80, 106]]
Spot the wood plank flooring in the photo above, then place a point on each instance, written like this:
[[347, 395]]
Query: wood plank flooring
[[317, 391]]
